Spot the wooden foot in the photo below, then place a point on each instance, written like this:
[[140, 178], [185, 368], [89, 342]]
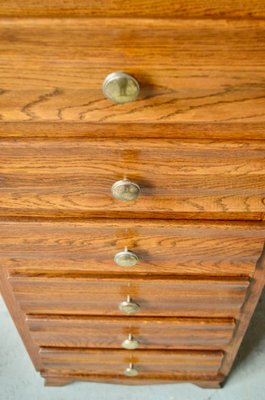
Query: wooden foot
[[57, 381], [210, 385], [61, 381]]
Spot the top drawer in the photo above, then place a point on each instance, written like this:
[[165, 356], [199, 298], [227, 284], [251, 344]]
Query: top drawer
[[198, 78]]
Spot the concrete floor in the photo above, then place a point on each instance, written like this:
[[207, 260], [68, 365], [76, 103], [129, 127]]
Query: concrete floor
[[19, 381]]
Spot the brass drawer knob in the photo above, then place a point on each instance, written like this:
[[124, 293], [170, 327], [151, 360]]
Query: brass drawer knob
[[131, 371], [126, 258], [128, 306], [120, 87], [130, 343], [125, 190]]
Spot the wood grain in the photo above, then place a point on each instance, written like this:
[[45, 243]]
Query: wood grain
[[199, 72], [74, 177], [223, 131], [163, 247], [156, 297], [134, 8], [150, 364], [151, 333]]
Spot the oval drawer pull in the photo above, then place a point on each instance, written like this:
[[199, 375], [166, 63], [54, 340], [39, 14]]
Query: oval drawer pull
[[126, 258], [131, 370], [125, 190], [120, 87], [128, 306], [130, 343]]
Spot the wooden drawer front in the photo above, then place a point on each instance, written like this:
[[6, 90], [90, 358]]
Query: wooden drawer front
[[135, 8], [150, 333], [200, 71], [102, 296], [163, 247], [148, 363], [177, 178]]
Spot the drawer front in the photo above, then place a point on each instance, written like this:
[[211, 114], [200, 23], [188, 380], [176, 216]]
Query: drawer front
[[75, 178], [103, 296], [147, 333], [148, 363], [215, 80], [162, 247], [135, 8]]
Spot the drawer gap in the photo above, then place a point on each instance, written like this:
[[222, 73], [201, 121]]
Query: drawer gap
[[78, 276]]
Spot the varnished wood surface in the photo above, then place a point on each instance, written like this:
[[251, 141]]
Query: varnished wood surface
[[212, 382], [74, 177], [215, 382], [190, 72], [156, 297], [150, 364], [151, 333], [224, 131], [163, 247], [200, 78], [134, 8]]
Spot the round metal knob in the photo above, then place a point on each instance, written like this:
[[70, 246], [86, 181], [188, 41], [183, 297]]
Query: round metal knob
[[131, 371], [120, 87], [126, 258], [130, 343], [128, 306], [125, 190]]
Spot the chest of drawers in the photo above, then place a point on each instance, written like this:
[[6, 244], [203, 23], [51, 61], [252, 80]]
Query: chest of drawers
[[132, 185]]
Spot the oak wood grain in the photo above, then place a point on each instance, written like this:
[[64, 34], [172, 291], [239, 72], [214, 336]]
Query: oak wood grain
[[164, 247], [134, 8], [201, 70], [74, 177], [155, 364], [198, 71], [191, 130], [151, 333], [156, 297]]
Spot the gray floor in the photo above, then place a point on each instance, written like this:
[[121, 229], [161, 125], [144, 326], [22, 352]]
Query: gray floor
[[19, 381]]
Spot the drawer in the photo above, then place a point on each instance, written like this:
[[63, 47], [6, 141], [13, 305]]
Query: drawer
[[135, 8], [175, 178], [204, 77], [161, 247], [149, 364], [146, 333], [107, 296]]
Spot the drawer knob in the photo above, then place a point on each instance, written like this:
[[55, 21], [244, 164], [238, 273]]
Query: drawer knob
[[126, 258], [128, 306], [130, 343], [131, 371], [125, 190], [120, 87]]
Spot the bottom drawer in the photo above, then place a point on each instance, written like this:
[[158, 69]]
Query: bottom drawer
[[119, 363]]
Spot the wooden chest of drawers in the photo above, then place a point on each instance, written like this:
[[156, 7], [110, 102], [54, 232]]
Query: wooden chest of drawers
[[132, 232]]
